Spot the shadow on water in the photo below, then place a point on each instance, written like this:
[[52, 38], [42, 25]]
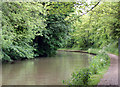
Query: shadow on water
[[44, 71]]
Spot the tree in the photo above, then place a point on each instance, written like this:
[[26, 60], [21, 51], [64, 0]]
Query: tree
[[98, 28], [57, 27], [21, 22]]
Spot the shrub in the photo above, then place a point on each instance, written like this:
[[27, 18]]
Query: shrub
[[95, 64], [80, 78]]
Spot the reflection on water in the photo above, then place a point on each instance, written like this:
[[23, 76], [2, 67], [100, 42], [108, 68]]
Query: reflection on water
[[44, 71]]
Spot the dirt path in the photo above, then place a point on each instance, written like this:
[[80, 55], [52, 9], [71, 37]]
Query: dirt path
[[111, 77]]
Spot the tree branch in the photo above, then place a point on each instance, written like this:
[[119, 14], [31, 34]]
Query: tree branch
[[91, 8], [88, 10]]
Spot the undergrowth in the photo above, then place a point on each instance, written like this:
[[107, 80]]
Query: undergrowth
[[84, 77]]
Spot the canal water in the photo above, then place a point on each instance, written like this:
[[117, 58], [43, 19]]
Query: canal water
[[44, 71]]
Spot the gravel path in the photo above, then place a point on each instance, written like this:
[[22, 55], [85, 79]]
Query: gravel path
[[111, 77]]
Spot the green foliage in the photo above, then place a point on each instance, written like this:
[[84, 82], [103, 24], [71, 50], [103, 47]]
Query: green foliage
[[52, 39], [79, 78], [98, 62], [56, 30], [31, 29], [18, 52], [83, 77], [21, 22], [59, 8], [98, 28], [111, 48]]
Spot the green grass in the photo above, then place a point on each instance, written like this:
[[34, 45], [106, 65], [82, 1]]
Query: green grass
[[111, 48], [99, 64], [112, 51], [95, 79], [68, 49], [94, 50]]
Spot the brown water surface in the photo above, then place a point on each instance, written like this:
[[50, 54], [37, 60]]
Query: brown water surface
[[44, 71]]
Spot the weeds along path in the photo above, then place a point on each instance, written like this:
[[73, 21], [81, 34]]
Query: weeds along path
[[111, 76]]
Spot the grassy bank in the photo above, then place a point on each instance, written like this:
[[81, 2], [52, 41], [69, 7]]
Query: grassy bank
[[109, 49], [95, 79], [91, 75]]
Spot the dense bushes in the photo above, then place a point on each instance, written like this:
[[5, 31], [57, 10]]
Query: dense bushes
[[52, 39], [98, 62], [57, 28], [21, 22], [80, 78], [31, 29], [97, 29]]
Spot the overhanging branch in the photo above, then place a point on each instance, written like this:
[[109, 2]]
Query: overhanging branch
[[88, 10], [91, 8]]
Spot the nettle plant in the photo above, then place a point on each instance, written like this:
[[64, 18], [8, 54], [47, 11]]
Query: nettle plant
[[81, 77], [98, 62]]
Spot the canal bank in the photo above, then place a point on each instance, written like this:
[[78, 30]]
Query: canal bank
[[108, 75], [95, 78]]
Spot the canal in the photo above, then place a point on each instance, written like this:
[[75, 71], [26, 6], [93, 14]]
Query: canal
[[44, 70]]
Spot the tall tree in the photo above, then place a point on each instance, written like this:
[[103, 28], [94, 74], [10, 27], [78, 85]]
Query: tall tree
[[21, 22], [98, 28], [57, 27]]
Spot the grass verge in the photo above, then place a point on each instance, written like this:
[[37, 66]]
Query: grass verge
[[91, 75], [95, 79]]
